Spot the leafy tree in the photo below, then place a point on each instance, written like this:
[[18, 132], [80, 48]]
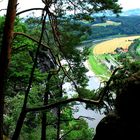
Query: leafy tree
[[78, 130], [41, 61]]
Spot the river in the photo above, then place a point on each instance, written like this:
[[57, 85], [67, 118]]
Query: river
[[93, 83], [92, 117]]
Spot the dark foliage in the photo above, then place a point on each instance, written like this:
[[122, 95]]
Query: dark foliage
[[124, 122], [129, 25]]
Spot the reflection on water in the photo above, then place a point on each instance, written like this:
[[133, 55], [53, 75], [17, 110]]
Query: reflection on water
[[93, 83], [93, 117]]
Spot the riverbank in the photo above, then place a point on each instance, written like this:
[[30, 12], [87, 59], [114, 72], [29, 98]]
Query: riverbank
[[94, 81], [102, 57]]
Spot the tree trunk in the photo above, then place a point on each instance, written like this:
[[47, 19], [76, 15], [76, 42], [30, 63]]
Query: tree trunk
[[19, 124], [6, 54], [59, 114], [43, 129], [58, 122], [44, 118]]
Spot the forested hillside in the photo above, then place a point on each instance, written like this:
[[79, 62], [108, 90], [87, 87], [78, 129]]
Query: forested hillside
[[123, 25]]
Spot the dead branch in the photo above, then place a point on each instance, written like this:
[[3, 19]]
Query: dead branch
[[27, 10]]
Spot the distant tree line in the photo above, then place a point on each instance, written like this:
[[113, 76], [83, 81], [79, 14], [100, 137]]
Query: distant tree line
[[130, 25]]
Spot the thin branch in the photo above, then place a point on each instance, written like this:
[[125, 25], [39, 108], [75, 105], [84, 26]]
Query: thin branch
[[62, 102], [3, 10], [31, 38], [27, 10], [53, 22], [106, 88], [19, 48], [66, 73], [65, 134], [72, 119], [22, 115], [89, 118], [34, 40]]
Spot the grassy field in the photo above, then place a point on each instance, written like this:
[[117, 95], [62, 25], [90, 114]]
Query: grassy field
[[97, 67], [108, 23]]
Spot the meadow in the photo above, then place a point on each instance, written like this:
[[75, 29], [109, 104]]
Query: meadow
[[107, 23]]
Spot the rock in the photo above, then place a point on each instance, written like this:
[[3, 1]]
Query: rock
[[124, 122]]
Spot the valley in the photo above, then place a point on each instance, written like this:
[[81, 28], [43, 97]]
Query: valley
[[103, 58]]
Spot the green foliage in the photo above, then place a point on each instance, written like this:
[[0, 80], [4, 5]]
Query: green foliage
[[31, 135], [73, 33], [134, 49], [12, 108], [67, 114], [62, 37], [78, 130], [2, 19], [126, 25], [82, 9], [18, 77]]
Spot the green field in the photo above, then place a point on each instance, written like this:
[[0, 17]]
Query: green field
[[102, 56], [108, 23], [97, 67]]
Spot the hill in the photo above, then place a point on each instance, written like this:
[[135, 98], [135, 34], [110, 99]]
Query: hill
[[114, 26], [133, 12]]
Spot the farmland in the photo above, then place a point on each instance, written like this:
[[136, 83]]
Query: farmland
[[102, 57], [110, 45]]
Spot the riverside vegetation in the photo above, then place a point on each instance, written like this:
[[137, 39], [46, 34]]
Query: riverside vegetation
[[38, 55]]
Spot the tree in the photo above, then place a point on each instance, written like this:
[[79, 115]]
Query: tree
[[56, 51], [78, 130], [5, 55]]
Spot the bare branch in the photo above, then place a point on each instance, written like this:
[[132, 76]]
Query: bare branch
[[89, 118], [27, 10], [106, 88], [66, 73], [3, 10], [62, 102]]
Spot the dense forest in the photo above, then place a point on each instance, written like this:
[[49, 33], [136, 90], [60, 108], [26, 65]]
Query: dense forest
[[39, 55], [127, 25]]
